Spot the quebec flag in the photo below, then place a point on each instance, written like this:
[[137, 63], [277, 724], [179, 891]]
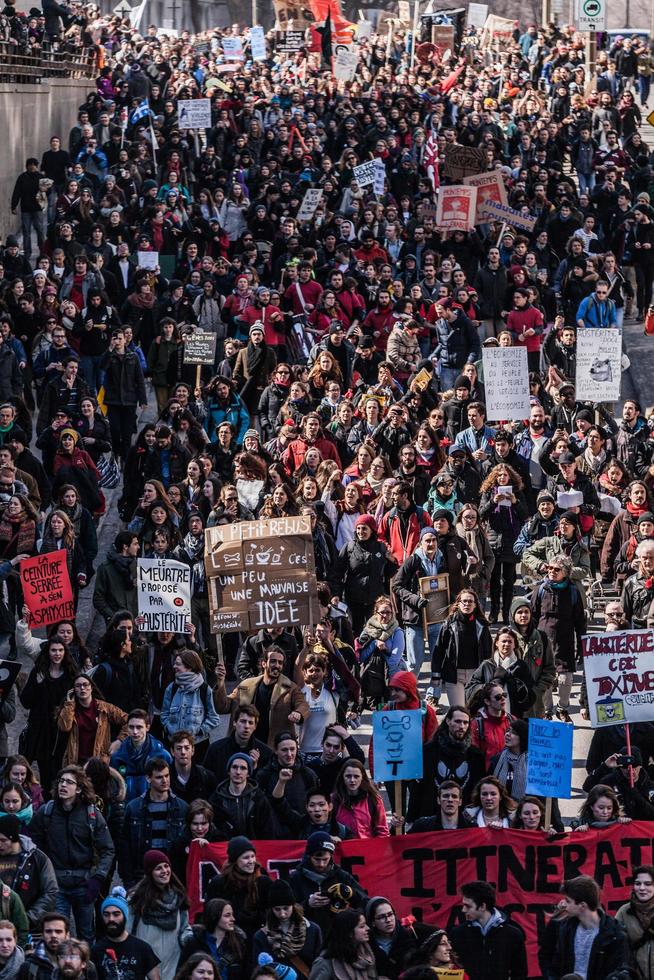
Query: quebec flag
[[142, 111]]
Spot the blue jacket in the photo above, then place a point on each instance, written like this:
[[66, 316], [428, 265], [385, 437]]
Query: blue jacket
[[136, 837], [597, 313], [234, 412], [468, 440], [189, 711], [131, 762]]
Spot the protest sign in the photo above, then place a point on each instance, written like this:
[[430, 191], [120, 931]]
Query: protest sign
[[290, 41], [346, 62], [436, 590], [47, 590], [455, 210], [497, 30], [200, 347], [477, 14], [292, 13], [506, 380], [442, 35], [397, 744], [494, 211], [490, 187], [379, 183], [257, 44], [364, 30], [404, 11], [599, 364], [462, 161], [232, 48], [364, 174], [261, 573], [147, 260], [619, 670], [194, 113], [9, 671], [310, 202], [164, 594], [422, 874], [549, 760]]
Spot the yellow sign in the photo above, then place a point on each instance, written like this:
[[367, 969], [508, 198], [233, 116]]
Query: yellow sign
[[421, 380], [448, 974], [650, 118]]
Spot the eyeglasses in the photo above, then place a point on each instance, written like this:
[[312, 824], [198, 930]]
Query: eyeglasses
[[499, 697], [385, 915], [68, 781]]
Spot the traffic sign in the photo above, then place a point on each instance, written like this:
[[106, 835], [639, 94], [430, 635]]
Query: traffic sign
[[590, 15]]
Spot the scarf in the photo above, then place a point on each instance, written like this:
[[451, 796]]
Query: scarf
[[363, 967], [594, 462], [12, 967], [23, 533], [472, 539], [194, 548], [141, 302], [511, 770], [188, 681], [75, 515], [644, 912], [376, 630], [636, 511], [287, 944], [256, 357], [164, 912]]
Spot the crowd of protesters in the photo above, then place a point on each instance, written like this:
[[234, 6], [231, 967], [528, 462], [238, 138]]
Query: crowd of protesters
[[347, 386]]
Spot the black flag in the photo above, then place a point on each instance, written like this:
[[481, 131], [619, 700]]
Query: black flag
[[326, 41]]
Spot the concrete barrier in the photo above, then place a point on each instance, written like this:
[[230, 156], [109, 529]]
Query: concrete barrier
[[32, 114]]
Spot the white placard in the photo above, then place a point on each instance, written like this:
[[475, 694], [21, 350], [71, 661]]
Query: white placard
[[194, 113], [599, 368], [310, 202], [147, 260], [364, 30], [232, 48], [164, 594], [345, 64], [379, 183], [257, 44], [477, 14], [364, 174], [506, 380]]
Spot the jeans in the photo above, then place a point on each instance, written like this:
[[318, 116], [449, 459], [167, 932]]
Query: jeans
[[644, 83], [89, 368], [122, 422], [415, 644], [29, 220], [586, 183], [71, 902], [564, 684]]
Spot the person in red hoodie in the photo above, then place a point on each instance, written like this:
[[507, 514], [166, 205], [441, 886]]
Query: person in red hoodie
[[381, 320], [526, 325], [491, 722], [403, 688], [400, 527], [293, 455], [272, 319]]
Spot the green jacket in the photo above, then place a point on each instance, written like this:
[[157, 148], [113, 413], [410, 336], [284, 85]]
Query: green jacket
[[543, 551], [159, 357]]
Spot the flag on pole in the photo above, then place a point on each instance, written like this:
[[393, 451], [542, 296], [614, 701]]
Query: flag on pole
[[142, 111], [326, 40], [431, 160]]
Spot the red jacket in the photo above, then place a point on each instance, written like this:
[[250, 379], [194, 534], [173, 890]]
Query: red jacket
[[273, 332], [311, 292], [293, 455], [488, 733], [390, 532], [408, 683], [528, 318], [380, 321]]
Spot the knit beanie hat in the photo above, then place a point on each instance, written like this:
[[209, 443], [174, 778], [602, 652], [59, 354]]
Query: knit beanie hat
[[10, 827], [152, 860], [117, 899], [280, 893], [237, 847], [244, 757]]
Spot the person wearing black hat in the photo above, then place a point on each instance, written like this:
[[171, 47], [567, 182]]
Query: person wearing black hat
[[243, 883], [617, 772], [323, 889], [566, 540], [240, 807], [567, 479], [456, 409], [287, 936], [366, 361], [27, 871]]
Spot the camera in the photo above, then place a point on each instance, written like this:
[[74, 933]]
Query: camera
[[626, 760]]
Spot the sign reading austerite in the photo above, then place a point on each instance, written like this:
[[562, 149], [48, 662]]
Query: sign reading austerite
[[619, 670], [599, 364], [164, 594], [260, 574]]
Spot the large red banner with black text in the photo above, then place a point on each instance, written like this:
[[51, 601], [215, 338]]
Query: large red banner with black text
[[422, 874]]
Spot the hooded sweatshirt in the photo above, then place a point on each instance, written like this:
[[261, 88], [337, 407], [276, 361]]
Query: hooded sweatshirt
[[406, 681]]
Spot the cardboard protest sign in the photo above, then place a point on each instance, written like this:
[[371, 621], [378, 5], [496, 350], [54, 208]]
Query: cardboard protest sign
[[462, 161], [506, 379], [232, 48], [147, 260], [164, 594], [397, 744], [9, 671], [364, 174], [599, 364], [258, 44], [379, 183], [261, 573], [494, 211], [619, 670], [422, 874], [194, 113], [456, 208], [200, 347], [490, 187], [292, 14], [346, 63], [549, 761], [442, 35], [436, 589], [47, 589], [310, 202], [477, 14]]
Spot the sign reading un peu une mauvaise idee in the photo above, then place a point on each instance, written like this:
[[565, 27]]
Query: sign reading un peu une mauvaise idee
[[260, 574]]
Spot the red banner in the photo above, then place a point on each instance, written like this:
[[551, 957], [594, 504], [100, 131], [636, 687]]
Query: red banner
[[47, 589], [422, 874]]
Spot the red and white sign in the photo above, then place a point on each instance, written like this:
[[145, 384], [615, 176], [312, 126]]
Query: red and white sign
[[490, 187], [457, 205]]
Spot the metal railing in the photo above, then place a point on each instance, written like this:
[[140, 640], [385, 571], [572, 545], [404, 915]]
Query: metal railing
[[17, 65]]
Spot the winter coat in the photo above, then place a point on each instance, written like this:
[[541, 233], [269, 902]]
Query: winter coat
[[130, 763], [250, 918], [559, 612], [295, 790], [77, 841], [305, 882], [11, 381], [609, 952], [271, 400], [230, 967], [286, 698], [445, 758], [479, 575], [362, 568], [108, 715], [401, 543], [136, 835], [42, 700], [248, 815], [503, 523], [164, 361], [403, 352], [124, 383], [637, 599], [190, 711], [233, 411], [445, 657], [516, 680], [640, 940], [115, 585], [547, 548], [496, 954], [34, 882], [536, 652], [457, 343], [535, 529], [488, 733]]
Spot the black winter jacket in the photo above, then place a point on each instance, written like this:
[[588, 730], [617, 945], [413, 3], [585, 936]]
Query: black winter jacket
[[124, 381]]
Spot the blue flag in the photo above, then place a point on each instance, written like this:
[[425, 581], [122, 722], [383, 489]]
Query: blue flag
[[142, 111]]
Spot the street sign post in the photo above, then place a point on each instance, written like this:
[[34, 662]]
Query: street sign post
[[590, 15]]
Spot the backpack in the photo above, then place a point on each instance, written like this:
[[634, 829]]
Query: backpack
[[374, 677], [91, 816]]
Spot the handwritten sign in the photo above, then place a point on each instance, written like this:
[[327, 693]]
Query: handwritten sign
[[599, 364], [477, 14], [364, 174], [494, 211], [456, 207], [345, 64], [506, 379], [379, 183], [200, 347], [261, 574], [549, 761], [290, 41], [147, 260], [619, 669], [164, 594], [490, 187], [47, 590], [232, 48], [258, 44], [194, 113], [462, 161], [310, 202], [397, 744]]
